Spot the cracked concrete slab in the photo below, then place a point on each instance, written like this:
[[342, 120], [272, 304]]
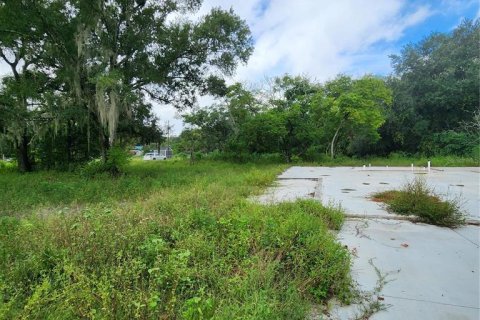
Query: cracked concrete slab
[[427, 272], [352, 187], [429, 268]]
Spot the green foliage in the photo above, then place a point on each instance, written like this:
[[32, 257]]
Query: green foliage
[[167, 240], [117, 160], [450, 143], [476, 154], [198, 308], [356, 109], [6, 165], [245, 157], [115, 164], [435, 87], [416, 198], [86, 70], [428, 107], [299, 116]]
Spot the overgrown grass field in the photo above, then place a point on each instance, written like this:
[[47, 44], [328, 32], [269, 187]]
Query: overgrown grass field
[[167, 240]]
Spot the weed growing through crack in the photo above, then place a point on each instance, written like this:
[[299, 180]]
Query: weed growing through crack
[[417, 198], [372, 302]]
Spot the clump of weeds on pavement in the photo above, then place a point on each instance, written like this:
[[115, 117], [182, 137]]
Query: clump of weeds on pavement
[[418, 199]]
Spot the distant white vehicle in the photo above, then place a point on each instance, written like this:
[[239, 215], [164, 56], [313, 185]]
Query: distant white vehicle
[[154, 156]]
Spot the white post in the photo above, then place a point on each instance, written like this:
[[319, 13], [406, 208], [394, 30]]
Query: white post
[[363, 167], [412, 166], [369, 165], [428, 166]]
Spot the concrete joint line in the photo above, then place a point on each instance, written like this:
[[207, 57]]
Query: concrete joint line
[[462, 236], [433, 302], [311, 179], [381, 217], [400, 218]]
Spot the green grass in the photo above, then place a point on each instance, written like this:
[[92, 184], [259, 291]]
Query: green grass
[[417, 199], [400, 161], [166, 240]]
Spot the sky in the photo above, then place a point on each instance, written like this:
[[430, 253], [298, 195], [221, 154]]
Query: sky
[[322, 38]]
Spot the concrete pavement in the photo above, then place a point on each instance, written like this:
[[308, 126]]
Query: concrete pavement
[[405, 270]]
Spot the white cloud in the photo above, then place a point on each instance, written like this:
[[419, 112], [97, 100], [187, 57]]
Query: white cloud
[[168, 115], [320, 38], [456, 6], [5, 69]]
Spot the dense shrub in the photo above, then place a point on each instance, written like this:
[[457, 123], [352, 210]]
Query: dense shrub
[[449, 143], [7, 165], [115, 164]]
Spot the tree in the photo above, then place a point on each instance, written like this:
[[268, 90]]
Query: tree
[[107, 57], [435, 85], [191, 141], [355, 104], [222, 123], [18, 43], [262, 133], [294, 106], [170, 64], [214, 125]]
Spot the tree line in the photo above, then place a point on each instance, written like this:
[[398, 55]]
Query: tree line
[[429, 105]]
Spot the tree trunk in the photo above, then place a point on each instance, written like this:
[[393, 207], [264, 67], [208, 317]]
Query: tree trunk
[[192, 156], [332, 145], [287, 155], [24, 164], [69, 143], [88, 136], [105, 145]]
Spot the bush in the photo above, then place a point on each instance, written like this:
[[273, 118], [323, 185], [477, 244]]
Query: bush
[[449, 143], [416, 198], [92, 168], [476, 153], [7, 165], [117, 160]]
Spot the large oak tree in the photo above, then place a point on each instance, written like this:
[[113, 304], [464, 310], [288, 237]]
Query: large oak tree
[[112, 56]]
